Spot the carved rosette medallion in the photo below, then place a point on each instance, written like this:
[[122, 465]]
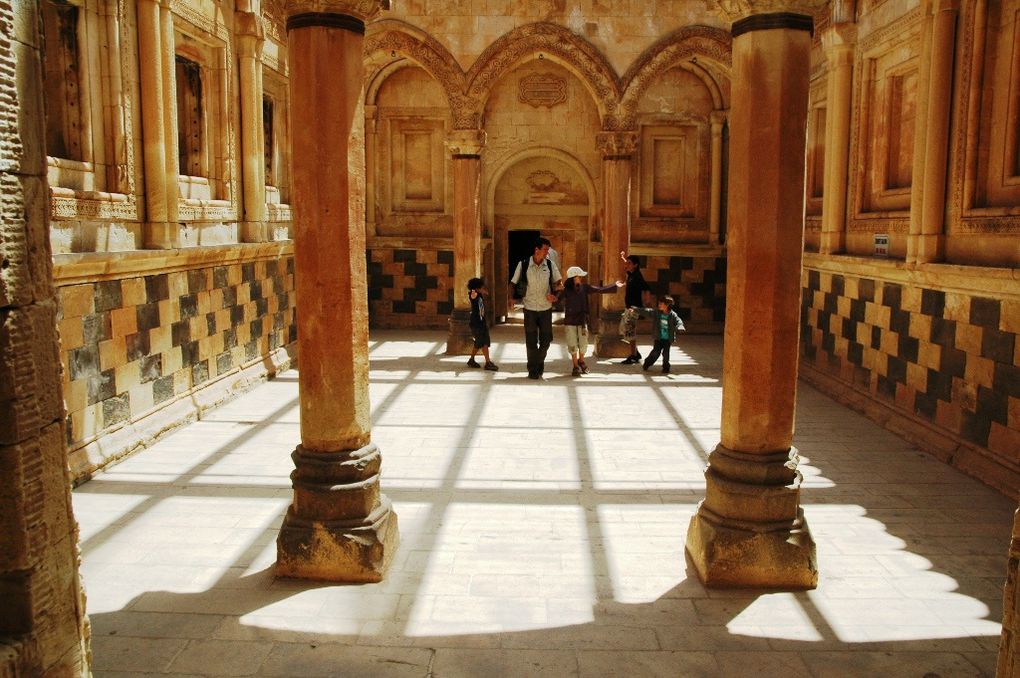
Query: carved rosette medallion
[[359, 9], [466, 142], [734, 10], [613, 145], [542, 89]]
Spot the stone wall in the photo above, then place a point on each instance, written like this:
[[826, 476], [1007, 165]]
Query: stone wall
[[933, 355], [150, 346], [696, 282], [43, 631], [410, 287]]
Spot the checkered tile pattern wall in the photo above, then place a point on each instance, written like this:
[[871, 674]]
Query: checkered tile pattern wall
[[946, 356], [130, 345], [410, 287], [698, 284]]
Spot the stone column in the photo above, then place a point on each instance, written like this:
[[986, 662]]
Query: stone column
[[158, 233], [616, 149], [750, 530], [838, 43], [927, 240], [171, 161], [42, 609], [250, 38], [371, 151], [465, 147], [715, 208], [339, 526]]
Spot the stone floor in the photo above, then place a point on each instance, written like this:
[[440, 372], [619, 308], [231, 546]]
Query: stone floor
[[542, 528]]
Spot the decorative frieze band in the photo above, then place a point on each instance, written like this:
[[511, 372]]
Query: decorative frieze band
[[616, 145], [326, 20], [765, 22]]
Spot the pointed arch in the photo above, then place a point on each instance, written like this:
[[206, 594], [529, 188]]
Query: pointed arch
[[391, 45], [545, 41], [702, 50]]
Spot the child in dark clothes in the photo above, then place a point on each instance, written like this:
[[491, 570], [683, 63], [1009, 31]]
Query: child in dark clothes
[[479, 327]]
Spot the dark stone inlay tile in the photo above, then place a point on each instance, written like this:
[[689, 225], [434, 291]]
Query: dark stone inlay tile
[[189, 306], [251, 350], [855, 353], [866, 289], [137, 346], [229, 297], [101, 387], [993, 404], [107, 295], [200, 373], [247, 272], [857, 309], [943, 332], [96, 327], [849, 329], [116, 409], [220, 277], [83, 362], [876, 337], [828, 342], [261, 307], [148, 317], [151, 367], [404, 256], [933, 302], [444, 307], [229, 338], [907, 348], [224, 361], [899, 321], [163, 389], [189, 353], [256, 328], [210, 324], [838, 285], [196, 280], [886, 387], [236, 315], [157, 288], [1006, 379], [814, 280], [924, 405], [896, 370], [892, 295], [255, 290], [975, 428], [940, 385], [985, 312], [954, 362], [997, 345]]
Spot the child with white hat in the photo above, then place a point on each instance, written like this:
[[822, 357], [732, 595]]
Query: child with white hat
[[576, 316]]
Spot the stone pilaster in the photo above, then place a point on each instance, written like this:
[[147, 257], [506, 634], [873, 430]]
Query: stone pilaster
[[927, 240], [465, 147], [250, 38], [838, 43], [339, 526], [159, 232], [718, 122], [616, 149], [750, 530]]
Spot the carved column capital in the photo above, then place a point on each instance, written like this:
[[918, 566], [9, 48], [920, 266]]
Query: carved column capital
[[718, 118], [839, 39], [250, 30], [734, 10], [465, 142], [616, 144], [360, 10]]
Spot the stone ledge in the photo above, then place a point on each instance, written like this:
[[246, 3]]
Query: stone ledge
[[185, 408], [72, 269], [975, 461]]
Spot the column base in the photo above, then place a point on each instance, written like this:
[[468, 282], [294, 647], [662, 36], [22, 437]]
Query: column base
[[727, 557], [342, 551], [459, 340], [750, 530], [608, 343]]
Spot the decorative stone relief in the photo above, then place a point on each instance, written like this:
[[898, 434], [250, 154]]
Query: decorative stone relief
[[616, 143], [733, 10], [545, 188], [359, 9], [542, 89], [465, 142]]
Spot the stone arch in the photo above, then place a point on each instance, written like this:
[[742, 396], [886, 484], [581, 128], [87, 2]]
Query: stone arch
[[701, 50], [488, 199], [544, 40], [391, 45]]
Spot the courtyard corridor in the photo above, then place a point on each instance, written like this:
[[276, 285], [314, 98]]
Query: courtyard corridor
[[542, 534]]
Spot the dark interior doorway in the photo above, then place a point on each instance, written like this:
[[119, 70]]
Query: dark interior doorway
[[520, 245]]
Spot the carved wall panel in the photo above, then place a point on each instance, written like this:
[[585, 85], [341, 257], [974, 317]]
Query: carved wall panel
[[277, 138], [673, 158], [815, 171], [882, 134]]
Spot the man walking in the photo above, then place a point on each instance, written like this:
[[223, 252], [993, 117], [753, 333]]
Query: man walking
[[535, 279]]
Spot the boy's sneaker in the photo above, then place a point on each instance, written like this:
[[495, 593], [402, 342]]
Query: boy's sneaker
[[631, 360], [584, 367], [665, 369], [472, 363], [576, 372], [646, 365], [492, 367]]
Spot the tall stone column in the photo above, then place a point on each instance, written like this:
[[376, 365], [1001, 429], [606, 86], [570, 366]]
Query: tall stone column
[[750, 530], [718, 121], [927, 240], [250, 38], [371, 123], [465, 146], [339, 526], [838, 43], [158, 232], [616, 149]]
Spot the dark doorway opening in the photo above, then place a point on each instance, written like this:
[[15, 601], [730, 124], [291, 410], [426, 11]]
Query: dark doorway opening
[[520, 246]]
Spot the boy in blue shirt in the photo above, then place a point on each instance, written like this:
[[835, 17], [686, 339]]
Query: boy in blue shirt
[[665, 324]]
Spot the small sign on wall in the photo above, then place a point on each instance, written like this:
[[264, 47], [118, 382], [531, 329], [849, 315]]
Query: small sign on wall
[[881, 245]]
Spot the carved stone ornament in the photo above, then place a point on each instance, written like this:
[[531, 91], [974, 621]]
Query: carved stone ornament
[[617, 144], [734, 10], [542, 89], [359, 9], [466, 141]]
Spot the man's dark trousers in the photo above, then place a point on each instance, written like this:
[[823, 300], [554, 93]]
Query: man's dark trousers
[[538, 334]]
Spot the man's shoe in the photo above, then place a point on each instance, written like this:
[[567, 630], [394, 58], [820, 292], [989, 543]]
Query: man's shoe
[[534, 375], [665, 369], [629, 361], [583, 366], [637, 356], [576, 372], [473, 363], [646, 365], [492, 367]]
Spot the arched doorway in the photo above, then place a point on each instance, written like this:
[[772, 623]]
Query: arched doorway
[[545, 192]]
